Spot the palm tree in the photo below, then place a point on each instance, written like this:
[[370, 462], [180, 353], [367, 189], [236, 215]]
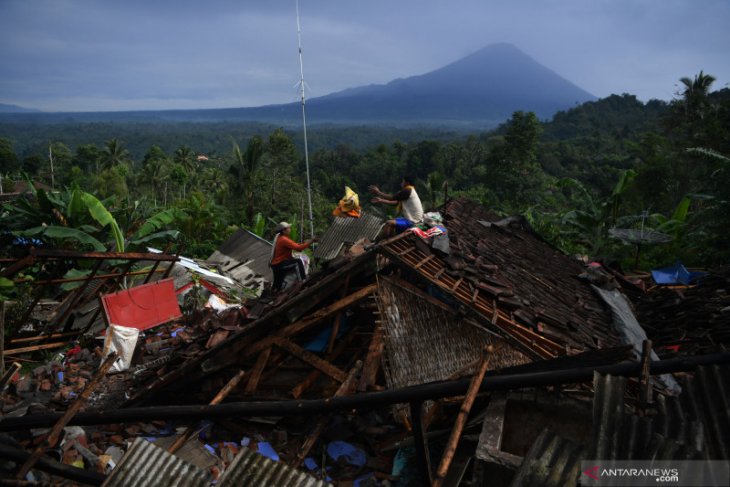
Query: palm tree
[[246, 167], [113, 154], [695, 93], [215, 182], [186, 158]]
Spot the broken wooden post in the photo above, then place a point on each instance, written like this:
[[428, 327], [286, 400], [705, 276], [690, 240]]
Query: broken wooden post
[[344, 390], [338, 318], [453, 442], [8, 375], [258, 368], [423, 460], [57, 429], [77, 294], [645, 377], [372, 359], [297, 391], [222, 394], [310, 358]]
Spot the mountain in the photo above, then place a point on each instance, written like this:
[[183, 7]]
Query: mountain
[[482, 89], [5, 108], [488, 85]]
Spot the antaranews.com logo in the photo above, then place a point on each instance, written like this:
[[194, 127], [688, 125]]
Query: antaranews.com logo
[[687, 473]]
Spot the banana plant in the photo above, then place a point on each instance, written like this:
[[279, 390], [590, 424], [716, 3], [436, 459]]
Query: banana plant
[[75, 218], [588, 224]]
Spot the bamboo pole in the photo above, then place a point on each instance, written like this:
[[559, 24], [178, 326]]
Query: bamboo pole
[[35, 348], [453, 442], [222, 394]]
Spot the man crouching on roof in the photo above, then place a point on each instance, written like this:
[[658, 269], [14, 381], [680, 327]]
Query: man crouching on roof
[[282, 260], [407, 204]]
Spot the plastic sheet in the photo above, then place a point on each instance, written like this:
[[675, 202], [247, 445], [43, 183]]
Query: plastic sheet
[[122, 340], [352, 454]]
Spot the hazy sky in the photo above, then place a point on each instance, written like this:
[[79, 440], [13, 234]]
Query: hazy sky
[[82, 55]]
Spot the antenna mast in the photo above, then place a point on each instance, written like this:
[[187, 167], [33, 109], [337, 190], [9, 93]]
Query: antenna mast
[[50, 158], [304, 123]]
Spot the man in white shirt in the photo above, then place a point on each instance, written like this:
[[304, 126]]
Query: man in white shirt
[[407, 203]]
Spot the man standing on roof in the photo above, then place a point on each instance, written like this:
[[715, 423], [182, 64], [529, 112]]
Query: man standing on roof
[[407, 204], [282, 260]]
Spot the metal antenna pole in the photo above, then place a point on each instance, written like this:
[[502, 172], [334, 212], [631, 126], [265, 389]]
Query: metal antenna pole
[[304, 124], [50, 157]]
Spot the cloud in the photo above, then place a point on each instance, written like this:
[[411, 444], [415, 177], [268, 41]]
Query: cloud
[[107, 55]]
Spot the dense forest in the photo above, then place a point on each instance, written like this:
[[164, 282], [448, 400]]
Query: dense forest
[[660, 168]]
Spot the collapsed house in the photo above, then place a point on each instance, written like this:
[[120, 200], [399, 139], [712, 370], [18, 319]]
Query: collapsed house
[[357, 374]]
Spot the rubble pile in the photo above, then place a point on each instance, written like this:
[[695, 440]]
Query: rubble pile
[[382, 368], [688, 320]]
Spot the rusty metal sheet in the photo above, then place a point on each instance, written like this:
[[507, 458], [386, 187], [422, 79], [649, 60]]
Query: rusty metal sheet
[[144, 306]]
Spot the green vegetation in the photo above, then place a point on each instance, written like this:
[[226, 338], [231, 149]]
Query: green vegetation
[[615, 162]]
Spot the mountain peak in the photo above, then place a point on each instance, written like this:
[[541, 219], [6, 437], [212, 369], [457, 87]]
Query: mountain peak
[[486, 85]]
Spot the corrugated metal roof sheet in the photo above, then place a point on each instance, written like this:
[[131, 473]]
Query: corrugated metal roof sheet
[[243, 247], [551, 461], [706, 398], [619, 435], [695, 425], [347, 231], [145, 464], [250, 468]]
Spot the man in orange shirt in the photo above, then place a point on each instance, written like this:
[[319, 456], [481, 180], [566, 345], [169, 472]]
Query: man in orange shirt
[[282, 260]]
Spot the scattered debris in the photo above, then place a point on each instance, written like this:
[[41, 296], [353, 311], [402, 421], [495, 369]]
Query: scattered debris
[[363, 373]]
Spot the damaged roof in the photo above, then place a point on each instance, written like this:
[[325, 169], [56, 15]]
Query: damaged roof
[[345, 231], [244, 248], [526, 289]]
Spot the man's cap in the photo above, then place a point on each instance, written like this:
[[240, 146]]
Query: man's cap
[[281, 226]]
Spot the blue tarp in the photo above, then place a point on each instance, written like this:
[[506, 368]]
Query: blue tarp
[[676, 274], [352, 454], [319, 343]]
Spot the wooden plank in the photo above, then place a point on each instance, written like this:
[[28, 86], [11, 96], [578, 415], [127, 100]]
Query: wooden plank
[[314, 375], [38, 338], [406, 251], [222, 394], [19, 265], [338, 318], [645, 388], [308, 322], [258, 368], [424, 261], [57, 429], [310, 358], [372, 359], [8, 374], [461, 418], [343, 390], [34, 348], [73, 254]]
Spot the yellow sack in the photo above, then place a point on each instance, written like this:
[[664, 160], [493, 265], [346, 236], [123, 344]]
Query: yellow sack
[[349, 205]]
